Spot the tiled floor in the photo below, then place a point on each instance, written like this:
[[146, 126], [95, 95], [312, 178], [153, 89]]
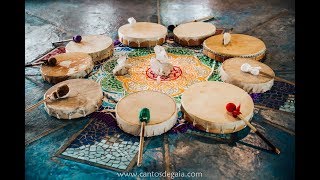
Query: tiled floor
[[102, 143], [273, 21]]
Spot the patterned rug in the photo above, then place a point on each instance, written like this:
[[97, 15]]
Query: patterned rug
[[101, 143]]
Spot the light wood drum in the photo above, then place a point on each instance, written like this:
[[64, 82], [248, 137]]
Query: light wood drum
[[142, 34], [241, 45], [163, 112], [204, 105], [230, 72], [99, 47], [84, 97], [193, 33], [69, 66]]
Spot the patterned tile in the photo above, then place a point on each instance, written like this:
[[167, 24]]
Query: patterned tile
[[280, 97], [103, 144]]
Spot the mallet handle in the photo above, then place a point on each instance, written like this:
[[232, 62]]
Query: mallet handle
[[143, 124]]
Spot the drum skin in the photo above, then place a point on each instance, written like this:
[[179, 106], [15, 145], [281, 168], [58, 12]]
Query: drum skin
[[84, 97], [204, 106], [72, 65], [99, 47], [230, 72], [193, 33], [142, 34], [163, 112], [241, 45]]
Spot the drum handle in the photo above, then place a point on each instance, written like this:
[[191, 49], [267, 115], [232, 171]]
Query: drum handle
[[141, 144], [144, 117], [276, 150], [278, 78], [35, 105]]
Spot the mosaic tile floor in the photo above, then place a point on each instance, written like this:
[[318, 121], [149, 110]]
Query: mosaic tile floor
[[280, 97], [101, 143]]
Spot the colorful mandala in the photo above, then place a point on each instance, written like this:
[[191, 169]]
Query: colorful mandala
[[187, 71]]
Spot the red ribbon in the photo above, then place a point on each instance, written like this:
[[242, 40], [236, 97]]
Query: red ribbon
[[233, 109]]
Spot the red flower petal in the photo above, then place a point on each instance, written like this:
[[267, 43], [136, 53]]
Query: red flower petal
[[238, 108]]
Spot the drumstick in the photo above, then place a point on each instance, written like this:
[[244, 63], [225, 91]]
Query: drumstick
[[203, 19], [247, 68], [76, 39], [171, 27], [236, 113], [277, 78], [61, 92], [144, 118], [50, 62]]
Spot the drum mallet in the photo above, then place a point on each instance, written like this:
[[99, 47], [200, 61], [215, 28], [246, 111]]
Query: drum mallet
[[144, 118], [236, 113]]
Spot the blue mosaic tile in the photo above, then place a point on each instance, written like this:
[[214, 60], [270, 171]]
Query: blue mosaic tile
[[102, 143], [280, 97]]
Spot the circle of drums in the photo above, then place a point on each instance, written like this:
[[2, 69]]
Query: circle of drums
[[203, 104]]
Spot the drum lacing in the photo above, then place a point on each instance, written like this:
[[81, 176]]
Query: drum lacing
[[83, 112], [234, 129], [221, 130]]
